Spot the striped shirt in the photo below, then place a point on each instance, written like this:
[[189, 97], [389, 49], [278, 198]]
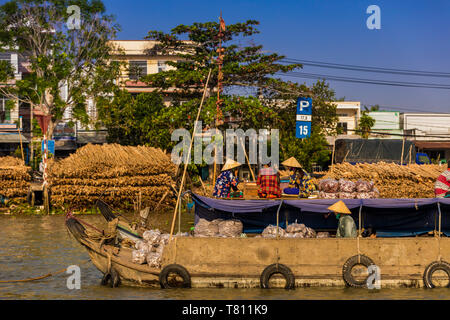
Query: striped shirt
[[442, 185]]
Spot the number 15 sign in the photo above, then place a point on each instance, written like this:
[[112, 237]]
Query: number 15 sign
[[303, 123]]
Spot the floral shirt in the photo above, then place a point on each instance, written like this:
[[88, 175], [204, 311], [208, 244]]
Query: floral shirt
[[304, 184], [224, 181]]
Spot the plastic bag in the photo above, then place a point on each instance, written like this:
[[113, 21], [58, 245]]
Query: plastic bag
[[231, 228], [138, 256], [154, 259], [152, 236], [271, 232], [296, 227], [347, 195], [323, 235], [346, 186], [328, 195], [205, 228], [328, 185], [364, 186]]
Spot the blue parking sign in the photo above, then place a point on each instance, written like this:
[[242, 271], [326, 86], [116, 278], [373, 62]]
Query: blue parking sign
[[303, 118]]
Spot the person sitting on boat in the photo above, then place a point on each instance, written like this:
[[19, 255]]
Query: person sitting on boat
[[269, 183], [227, 181], [300, 181], [346, 226], [442, 186]]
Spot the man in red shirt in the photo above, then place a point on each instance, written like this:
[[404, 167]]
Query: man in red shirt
[[442, 186], [269, 183]]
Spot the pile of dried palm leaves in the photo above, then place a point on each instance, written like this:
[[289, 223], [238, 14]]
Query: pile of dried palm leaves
[[392, 180], [120, 174], [14, 178]]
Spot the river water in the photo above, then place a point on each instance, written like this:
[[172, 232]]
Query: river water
[[32, 246]]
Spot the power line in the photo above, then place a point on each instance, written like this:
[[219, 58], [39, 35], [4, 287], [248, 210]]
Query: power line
[[329, 65], [366, 81], [400, 134]]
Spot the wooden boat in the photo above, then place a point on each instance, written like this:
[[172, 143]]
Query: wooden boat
[[411, 261]]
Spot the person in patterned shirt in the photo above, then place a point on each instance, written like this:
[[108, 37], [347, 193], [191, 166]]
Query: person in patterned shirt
[[300, 181], [269, 183], [442, 186], [227, 180]]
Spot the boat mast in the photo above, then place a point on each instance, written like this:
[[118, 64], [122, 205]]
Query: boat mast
[[219, 102]]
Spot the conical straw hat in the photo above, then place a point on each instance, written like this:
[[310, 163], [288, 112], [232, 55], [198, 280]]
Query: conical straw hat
[[339, 207], [230, 164], [291, 162]]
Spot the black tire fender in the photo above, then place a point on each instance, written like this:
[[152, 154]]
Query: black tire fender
[[432, 268], [349, 280], [177, 269], [277, 268]]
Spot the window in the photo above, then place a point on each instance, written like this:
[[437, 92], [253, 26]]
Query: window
[[5, 114], [138, 69], [343, 127], [162, 66], [5, 56]]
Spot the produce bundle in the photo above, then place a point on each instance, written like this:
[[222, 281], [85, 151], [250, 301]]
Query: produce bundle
[[120, 174], [293, 230], [392, 180], [151, 248], [14, 178], [346, 189], [218, 228]]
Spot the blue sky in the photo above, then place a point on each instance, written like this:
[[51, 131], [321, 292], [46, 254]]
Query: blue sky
[[414, 35]]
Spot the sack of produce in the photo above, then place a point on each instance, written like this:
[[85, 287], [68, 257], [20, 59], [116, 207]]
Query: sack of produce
[[328, 185], [296, 227], [310, 233], [142, 245], [205, 228], [323, 235], [364, 186], [152, 236], [139, 256], [154, 259], [346, 186], [271, 232], [231, 228], [364, 195], [347, 195], [328, 195], [164, 238]]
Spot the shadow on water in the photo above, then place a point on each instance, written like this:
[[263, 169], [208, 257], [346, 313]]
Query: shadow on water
[[37, 245]]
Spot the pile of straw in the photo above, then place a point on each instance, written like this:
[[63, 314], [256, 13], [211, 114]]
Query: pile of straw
[[120, 174], [14, 178], [392, 180]]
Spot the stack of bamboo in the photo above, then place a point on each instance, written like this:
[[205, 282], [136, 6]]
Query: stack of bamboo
[[122, 175], [14, 178], [392, 180]]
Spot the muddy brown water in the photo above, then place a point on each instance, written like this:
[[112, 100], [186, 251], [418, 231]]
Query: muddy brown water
[[31, 246]]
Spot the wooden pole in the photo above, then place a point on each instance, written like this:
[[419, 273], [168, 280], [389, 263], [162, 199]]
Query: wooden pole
[[403, 148], [248, 162], [410, 155], [188, 157], [332, 155], [21, 146]]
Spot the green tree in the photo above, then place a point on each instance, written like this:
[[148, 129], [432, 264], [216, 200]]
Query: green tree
[[252, 92], [365, 123], [77, 58]]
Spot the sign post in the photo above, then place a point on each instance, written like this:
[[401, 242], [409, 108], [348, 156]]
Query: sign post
[[303, 118]]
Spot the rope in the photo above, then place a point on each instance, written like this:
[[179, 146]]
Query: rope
[[359, 234], [40, 277]]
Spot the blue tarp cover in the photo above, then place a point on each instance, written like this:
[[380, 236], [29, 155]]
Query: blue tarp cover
[[389, 217]]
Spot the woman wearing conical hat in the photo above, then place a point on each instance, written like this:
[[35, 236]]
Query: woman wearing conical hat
[[347, 226], [300, 181], [227, 180]]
